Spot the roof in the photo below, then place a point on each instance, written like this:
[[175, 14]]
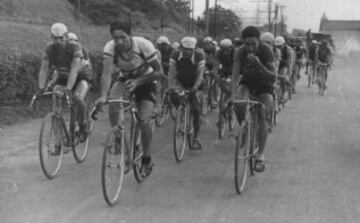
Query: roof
[[339, 25]]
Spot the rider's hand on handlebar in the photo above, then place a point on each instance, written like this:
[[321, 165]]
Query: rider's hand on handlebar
[[101, 100]]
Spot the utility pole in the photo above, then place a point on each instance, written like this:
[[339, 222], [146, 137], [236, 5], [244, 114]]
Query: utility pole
[[215, 18], [282, 19], [192, 16], [207, 17]]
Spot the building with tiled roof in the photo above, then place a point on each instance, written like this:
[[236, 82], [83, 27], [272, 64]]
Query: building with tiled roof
[[345, 33]]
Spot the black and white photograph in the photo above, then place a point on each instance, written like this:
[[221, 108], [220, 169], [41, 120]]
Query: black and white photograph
[[179, 111]]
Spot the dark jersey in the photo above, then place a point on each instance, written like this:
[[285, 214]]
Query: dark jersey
[[250, 73], [186, 66], [226, 59], [61, 55]]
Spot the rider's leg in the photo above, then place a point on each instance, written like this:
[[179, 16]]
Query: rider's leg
[[81, 90], [267, 100], [145, 112], [243, 94], [196, 112], [118, 90]]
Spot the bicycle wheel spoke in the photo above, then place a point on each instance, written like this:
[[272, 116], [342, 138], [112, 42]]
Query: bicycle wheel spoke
[[113, 168], [50, 148]]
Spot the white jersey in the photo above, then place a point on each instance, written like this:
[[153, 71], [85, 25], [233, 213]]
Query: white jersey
[[138, 59]]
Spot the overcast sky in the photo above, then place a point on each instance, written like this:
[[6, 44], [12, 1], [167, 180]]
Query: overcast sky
[[301, 14]]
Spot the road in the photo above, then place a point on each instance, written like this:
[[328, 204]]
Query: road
[[312, 173]]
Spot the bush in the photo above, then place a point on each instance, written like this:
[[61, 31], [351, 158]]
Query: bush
[[19, 76]]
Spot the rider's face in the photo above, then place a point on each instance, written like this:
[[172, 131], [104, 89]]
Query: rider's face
[[187, 52], [121, 39], [58, 39], [251, 44]]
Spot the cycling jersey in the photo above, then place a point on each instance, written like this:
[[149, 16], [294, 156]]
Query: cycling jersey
[[287, 57], [226, 59], [300, 52], [312, 51], [210, 52], [137, 60], [251, 76], [324, 53], [165, 51], [186, 66], [136, 64], [60, 56]]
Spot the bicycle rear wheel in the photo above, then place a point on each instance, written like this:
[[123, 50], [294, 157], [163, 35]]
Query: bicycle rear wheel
[[179, 136], [322, 82], [113, 167], [231, 119], [80, 146], [221, 120], [50, 145], [161, 116], [242, 152]]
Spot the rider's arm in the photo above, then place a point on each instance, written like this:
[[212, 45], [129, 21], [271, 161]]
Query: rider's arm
[[74, 69], [199, 71], [44, 72], [151, 58], [172, 81], [236, 71], [108, 68], [75, 65], [157, 72], [216, 64]]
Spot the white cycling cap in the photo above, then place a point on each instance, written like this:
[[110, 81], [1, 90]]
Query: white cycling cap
[[163, 39], [72, 36], [189, 42], [58, 29], [267, 37], [279, 40], [226, 43]]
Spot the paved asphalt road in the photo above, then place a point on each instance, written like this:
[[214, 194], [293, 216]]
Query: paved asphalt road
[[312, 175]]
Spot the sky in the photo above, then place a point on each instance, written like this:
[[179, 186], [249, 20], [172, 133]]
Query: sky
[[303, 14]]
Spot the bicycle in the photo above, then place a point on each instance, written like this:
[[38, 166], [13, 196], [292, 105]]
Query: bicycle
[[209, 92], [322, 76], [247, 142], [122, 152], [166, 108], [183, 125], [311, 74], [65, 131], [226, 113]]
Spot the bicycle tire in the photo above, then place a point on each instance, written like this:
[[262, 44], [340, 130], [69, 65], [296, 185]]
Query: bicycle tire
[[54, 123], [112, 148], [190, 128], [179, 134], [221, 118], [137, 152], [232, 119], [322, 82], [161, 116], [79, 149], [241, 164]]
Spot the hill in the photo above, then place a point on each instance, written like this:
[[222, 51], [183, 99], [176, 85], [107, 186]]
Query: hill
[[25, 25]]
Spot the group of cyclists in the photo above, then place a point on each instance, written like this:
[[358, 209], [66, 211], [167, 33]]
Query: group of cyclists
[[254, 64]]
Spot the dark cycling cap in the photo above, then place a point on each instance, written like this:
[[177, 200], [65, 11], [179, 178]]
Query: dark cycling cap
[[250, 31], [123, 25]]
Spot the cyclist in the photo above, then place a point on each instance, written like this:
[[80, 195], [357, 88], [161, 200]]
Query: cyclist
[[85, 65], [324, 55], [136, 58], [175, 45], [187, 65], [237, 42], [311, 59], [63, 58], [209, 48], [255, 63], [300, 56], [224, 60], [285, 65], [269, 39]]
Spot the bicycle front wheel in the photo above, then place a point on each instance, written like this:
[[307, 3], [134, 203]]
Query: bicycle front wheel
[[180, 134], [242, 157], [113, 167], [137, 153], [50, 145]]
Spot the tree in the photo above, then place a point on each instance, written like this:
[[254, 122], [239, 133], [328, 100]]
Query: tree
[[225, 24]]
